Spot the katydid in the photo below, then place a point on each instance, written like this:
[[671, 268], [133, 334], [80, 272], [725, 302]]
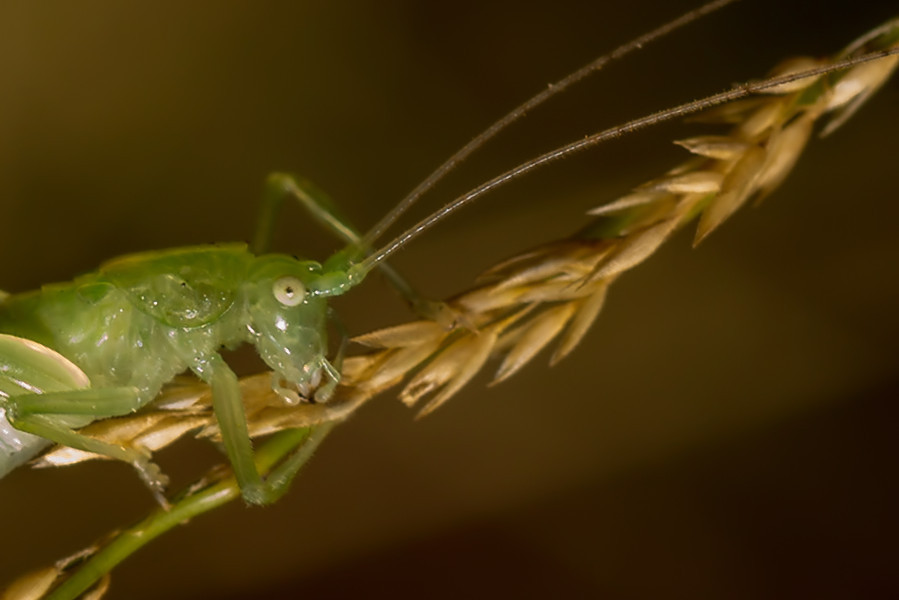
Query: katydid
[[130, 327], [116, 336], [140, 320]]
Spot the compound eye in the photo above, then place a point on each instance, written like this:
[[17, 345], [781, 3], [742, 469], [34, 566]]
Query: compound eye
[[289, 291]]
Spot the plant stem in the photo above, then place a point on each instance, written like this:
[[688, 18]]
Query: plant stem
[[159, 521]]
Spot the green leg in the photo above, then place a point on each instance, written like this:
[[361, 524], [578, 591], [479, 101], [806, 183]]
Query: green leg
[[279, 186], [46, 415], [280, 477], [232, 420], [332, 373]]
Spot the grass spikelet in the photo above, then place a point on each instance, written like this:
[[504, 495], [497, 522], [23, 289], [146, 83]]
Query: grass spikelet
[[634, 249], [695, 182], [147, 431], [586, 311], [32, 585], [450, 370], [630, 201], [538, 332], [397, 364], [790, 66], [784, 150], [735, 190], [401, 335], [718, 147]]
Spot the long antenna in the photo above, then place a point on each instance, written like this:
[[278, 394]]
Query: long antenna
[[739, 91], [520, 111]]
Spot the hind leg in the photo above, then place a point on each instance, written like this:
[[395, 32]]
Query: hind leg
[[53, 415]]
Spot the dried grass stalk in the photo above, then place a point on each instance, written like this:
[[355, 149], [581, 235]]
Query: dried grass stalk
[[560, 287]]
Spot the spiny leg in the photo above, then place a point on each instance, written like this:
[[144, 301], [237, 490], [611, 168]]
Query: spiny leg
[[279, 479], [48, 415], [279, 186], [229, 410], [232, 420]]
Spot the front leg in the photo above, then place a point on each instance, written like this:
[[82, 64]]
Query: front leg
[[232, 419]]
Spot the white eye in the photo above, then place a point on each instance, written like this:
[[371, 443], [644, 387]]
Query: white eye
[[289, 291]]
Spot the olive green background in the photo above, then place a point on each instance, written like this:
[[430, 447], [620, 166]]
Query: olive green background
[[726, 429]]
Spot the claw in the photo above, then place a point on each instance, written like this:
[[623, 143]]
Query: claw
[[155, 479]]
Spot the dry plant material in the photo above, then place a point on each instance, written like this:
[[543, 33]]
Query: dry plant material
[[556, 291], [35, 584]]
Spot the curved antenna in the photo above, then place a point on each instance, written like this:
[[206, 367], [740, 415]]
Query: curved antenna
[[519, 111], [739, 91]]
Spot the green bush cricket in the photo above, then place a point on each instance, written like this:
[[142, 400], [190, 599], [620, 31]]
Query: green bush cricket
[[184, 304]]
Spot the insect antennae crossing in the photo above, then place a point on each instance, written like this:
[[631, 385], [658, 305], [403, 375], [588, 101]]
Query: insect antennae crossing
[[521, 110], [737, 92]]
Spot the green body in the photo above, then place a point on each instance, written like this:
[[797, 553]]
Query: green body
[[142, 319], [139, 321], [106, 343]]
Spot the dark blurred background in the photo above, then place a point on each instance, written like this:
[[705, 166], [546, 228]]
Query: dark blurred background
[[726, 430]]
